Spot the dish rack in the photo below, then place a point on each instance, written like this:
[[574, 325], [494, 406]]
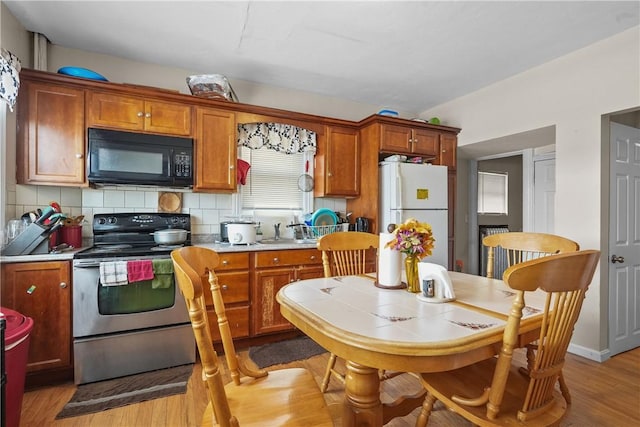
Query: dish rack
[[312, 232]]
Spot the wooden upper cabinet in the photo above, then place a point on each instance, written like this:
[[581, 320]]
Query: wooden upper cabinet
[[407, 140], [448, 146], [51, 135], [337, 170], [138, 114], [215, 150], [425, 142]]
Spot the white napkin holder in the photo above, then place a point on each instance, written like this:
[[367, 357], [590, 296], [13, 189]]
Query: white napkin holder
[[435, 283]]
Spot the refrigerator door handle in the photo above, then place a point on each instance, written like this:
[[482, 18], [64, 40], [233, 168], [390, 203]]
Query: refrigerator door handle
[[398, 217], [399, 199]]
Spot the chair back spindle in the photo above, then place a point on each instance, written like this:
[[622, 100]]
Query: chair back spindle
[[525, 246], [345, 253]]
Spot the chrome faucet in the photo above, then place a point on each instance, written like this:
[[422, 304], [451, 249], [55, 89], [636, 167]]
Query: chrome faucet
[[277, 230]]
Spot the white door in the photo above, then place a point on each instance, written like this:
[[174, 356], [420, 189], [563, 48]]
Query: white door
[[624, 239], [544, 195]]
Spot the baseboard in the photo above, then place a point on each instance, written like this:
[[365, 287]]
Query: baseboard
[[589, 353]]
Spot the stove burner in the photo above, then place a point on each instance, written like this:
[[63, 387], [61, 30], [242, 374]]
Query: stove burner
[[166, 247], [114, 247]]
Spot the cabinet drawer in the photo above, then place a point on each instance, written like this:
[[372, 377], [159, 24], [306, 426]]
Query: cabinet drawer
[[238, 318], [288, 258], [233, 286], [233, 261]]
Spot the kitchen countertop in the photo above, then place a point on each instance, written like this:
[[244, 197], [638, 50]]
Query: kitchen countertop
[[283, 244], [64, 256]]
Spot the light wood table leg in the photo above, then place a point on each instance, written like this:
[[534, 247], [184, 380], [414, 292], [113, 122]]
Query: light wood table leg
[[362, 405]]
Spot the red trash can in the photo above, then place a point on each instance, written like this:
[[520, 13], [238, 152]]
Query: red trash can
[[16, 348]]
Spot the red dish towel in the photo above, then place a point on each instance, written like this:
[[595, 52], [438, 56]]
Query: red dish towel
[[242, 170], [140, 270]]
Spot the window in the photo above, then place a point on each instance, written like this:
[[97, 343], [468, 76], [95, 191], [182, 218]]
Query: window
[[492, 193], [272, 182], [277, 154]]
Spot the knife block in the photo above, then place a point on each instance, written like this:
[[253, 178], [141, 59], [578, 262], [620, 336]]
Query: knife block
[[33, 240]]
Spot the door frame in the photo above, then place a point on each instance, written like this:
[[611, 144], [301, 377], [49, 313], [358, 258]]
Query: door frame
[[527, 199], [606, 301]]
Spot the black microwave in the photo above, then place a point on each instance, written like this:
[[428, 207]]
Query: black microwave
[[117, 157]]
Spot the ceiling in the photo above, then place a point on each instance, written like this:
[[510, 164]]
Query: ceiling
[[408, 56]]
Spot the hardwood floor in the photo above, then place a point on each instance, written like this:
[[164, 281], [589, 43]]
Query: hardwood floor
[[604, 394]]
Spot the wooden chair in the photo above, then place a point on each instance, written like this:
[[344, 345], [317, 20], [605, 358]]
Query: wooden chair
[[284, 397], [524, 246], [343, 254], [500, 394]]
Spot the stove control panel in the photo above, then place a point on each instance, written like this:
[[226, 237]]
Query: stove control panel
[[139, 222]]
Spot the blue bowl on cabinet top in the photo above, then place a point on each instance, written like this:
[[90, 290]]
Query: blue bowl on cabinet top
[[81, 72]]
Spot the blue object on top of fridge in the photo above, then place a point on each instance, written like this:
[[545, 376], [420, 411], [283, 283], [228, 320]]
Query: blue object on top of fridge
[[417, 191]]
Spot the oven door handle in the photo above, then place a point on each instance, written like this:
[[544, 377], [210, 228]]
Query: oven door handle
[[86, 264]]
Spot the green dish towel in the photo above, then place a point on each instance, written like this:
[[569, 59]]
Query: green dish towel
[[163, 274]]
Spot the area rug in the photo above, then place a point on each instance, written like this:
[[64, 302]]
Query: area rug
[[109, 394], [284, 351]]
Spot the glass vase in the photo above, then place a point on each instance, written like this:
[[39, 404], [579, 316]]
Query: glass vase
[[411, 270]]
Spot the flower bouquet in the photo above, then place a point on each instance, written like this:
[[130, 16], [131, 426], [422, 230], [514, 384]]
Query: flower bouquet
[[415, 239]]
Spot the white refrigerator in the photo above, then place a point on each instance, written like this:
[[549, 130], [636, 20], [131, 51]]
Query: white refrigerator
[[419, 191]]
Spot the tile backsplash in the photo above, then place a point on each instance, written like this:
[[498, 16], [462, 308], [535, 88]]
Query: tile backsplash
[[207, 210]]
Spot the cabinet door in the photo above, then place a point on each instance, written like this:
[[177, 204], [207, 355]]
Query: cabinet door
[[139, 114], [238, 318], [51, 148], [168, 118], [395, 139], [265, 308], [448, 144], [215, 150], [309, 272], [234, 288], [42, 291], [425, 142], [342, 166], [116, 111]]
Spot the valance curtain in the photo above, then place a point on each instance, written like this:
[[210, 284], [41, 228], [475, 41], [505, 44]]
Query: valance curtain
[[9, 77], [287, 139]]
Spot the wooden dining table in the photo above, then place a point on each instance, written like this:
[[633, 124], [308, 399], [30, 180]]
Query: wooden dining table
[[375, 329]]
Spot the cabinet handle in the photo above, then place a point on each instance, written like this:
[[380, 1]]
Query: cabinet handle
[[63, 285], [225, 287], [276, 260], [225, 262], [79, 155], [329, 174], [230, 166], [313, 257], [147, 115], [140, 114]]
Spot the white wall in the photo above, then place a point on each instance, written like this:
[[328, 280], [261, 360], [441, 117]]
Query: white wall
[[572, 93]]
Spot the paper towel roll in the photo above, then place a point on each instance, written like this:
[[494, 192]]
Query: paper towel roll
[[389, 262]]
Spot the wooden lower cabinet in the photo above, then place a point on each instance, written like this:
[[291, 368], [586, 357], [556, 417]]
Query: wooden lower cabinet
[[233, 278], [273, 270], [42, 291]]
